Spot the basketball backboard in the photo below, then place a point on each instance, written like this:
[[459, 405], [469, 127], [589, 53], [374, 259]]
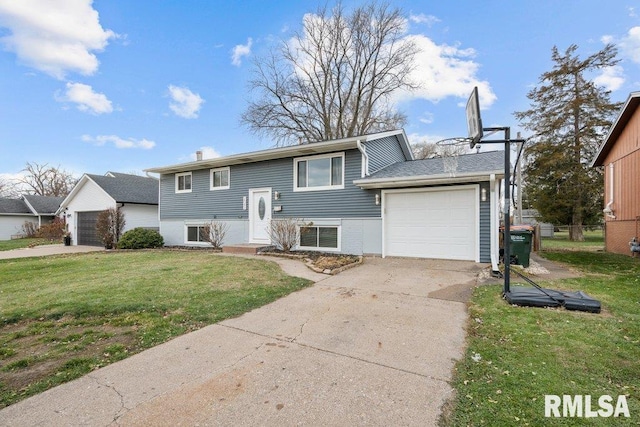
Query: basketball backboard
[[474, 122]]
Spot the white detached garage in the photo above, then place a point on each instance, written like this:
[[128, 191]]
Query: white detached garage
[[137, 196], [434, 208]]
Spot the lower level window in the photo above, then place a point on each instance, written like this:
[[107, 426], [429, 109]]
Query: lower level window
[[195, 233], [319, 237]]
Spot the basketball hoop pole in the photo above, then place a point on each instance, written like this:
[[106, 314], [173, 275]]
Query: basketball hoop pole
[[507, 199]]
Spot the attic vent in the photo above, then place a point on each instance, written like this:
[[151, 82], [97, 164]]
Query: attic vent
[[198, 155]]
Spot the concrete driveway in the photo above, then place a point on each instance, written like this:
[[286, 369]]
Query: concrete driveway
[[46, 250], [370, 346]]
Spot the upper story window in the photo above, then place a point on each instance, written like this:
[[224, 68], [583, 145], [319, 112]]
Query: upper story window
[[325, 172], [183, 182], [220, 179]]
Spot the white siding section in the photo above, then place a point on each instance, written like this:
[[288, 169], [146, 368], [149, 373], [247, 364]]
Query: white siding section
[[89, 198], [140, 216], [174, 231], [11, 225]]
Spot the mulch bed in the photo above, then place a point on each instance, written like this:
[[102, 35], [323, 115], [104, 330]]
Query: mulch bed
[[321, 262]]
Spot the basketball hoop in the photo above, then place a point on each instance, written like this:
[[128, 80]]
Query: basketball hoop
[[449, 150]]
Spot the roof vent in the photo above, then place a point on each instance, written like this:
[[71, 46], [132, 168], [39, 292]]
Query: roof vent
[[198, 155]]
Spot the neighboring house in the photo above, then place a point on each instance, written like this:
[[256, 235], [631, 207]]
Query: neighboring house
[[137, 196], [620, 156], [360, 195], [14, 213]]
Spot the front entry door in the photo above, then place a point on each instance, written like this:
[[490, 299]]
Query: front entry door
[[259, 215]]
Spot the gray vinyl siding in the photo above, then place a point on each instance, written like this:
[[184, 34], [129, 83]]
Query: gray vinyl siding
[[203, 203], [485, 226], [383, 152]]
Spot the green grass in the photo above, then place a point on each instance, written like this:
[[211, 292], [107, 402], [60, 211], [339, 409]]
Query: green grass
[[7, 245], [526, 353], [593, 241], [61, 317]]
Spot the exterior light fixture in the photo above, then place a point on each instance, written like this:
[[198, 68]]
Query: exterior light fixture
[[276, 195], [244, 203], [483, 195], [377, 199]]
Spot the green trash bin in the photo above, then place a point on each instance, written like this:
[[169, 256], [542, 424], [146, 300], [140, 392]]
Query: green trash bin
[[521, 246]]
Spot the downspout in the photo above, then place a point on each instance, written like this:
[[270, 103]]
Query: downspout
[[607, 210], [495, 243], [365, 156]]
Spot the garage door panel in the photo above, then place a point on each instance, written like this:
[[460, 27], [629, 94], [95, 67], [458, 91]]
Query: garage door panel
[[431, 224], [87, 234]]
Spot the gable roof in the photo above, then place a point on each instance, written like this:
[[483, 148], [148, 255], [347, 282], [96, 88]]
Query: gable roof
[[629, 107], [14, 207], [290, 151], [121, 187], [125, 188], [42, 205], [468, 168]]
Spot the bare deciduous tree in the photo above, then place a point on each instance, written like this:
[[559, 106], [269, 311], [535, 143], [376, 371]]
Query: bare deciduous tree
[[335, 78], [214, 233], [109, 226], [46, 180]]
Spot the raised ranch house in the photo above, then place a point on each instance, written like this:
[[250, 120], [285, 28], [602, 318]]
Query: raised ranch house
[[14, 213], [360, 195], [136, 196], [620, 156]]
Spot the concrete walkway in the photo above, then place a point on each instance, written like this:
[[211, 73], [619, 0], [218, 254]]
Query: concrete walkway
[[46, 250], [365, 347]]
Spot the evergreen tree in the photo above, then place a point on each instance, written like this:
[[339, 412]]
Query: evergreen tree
[[569, 117]]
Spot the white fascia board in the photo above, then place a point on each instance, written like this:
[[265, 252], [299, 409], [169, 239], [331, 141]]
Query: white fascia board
[[426, 180], [76, 189], [279, 153]]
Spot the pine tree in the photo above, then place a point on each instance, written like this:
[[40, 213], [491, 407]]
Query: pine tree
[[569, 117]]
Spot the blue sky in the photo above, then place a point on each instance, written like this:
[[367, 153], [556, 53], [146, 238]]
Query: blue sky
[[126, 85]]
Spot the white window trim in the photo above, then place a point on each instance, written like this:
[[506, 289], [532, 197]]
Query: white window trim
[[186, 233], [226, 187], [318, 248], [321, 156], [177, 179]]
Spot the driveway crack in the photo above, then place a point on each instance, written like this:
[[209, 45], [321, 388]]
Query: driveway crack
[[123, 409]]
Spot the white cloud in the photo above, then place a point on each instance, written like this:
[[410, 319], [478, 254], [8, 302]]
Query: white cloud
[[207, 153], [86, 99], [612, 78], [240, 51], [424, 19], [444, 71], [55, 37], [118, 142], [186, 104], [630, 44]]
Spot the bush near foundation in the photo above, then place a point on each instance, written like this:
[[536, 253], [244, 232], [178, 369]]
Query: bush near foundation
[[141, 238]]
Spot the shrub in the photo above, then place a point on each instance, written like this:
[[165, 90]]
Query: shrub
[[284, 233], [214, 233], [54, 230], [29, 229], [141, 238], [109, 226]]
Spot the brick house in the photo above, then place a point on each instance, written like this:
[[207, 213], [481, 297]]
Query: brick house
[[619, 154]]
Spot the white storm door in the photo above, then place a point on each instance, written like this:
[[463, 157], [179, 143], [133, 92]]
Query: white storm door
[[259, 215]]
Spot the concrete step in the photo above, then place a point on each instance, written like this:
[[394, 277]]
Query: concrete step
[[244, 248]]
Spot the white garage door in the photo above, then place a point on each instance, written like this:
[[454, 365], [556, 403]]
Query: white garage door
[[438, 223]]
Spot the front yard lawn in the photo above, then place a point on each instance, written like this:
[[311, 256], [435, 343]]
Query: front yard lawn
[[62, 317], [517, 355]]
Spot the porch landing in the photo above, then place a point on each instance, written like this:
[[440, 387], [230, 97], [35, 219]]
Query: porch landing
[[244, 248]]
